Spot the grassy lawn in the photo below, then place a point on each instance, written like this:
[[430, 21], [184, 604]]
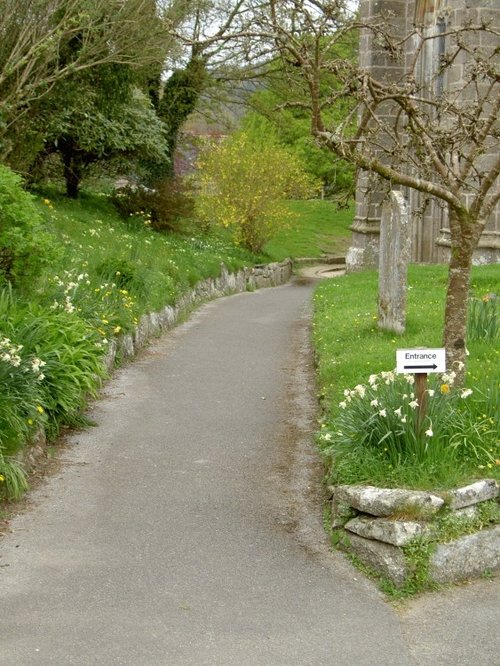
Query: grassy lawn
[[350, 348], [320, 228], [99, 242]]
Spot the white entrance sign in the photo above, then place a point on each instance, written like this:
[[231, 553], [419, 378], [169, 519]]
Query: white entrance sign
[[415, 361]]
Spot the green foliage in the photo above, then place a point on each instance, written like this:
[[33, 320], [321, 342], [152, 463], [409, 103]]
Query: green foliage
[[482, 318], [244, 181], [383, 436], [64, 354], [21, 377], [294, 131], [284, 108], [180, 95], [25, 247], [13, 481], [88, 123], [167, 207]]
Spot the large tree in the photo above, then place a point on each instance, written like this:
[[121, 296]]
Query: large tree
[[434, 130], [43, 42]]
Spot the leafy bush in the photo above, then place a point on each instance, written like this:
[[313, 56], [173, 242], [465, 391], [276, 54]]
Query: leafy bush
[[172, 203], [244, 181], [25, 248], [167, 207], [382, 434], [21, 376], [131, 200], [104, 303]]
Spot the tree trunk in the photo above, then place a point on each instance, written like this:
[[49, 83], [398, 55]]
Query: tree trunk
[[72, 173], [457, 295]]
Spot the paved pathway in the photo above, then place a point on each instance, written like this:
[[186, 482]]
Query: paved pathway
[[185, 529]]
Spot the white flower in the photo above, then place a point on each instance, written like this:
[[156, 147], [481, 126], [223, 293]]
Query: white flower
[[466, 393], [360, 390], [372, 379], [397, 411], [410, 379], [327, 437], [413, 404], [343, 404], [383, 412], [403, 419], [40, 377], [448, 378], [388, 377], [429, 432], [431, 392], [374, 403]]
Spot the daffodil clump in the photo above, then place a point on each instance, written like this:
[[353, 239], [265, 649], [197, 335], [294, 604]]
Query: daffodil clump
[[106, 305], [385, 433], [482, 320], [21, 375]]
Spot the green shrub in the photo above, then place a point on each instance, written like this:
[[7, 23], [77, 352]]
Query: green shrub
[[13, 481], [167, 207], [131, 200], [105, 304], [172, 204], [25, 248], [244, 182], [21, 378]]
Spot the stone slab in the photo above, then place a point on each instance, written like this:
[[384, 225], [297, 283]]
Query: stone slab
[[395, 532], [480, 491], [387, 560], [467, 557], [388, 501]]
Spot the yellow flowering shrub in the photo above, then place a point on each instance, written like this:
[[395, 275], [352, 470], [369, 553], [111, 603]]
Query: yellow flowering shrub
[[244, 181]]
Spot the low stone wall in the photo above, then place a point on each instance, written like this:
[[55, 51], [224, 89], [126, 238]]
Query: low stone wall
[[376, 524], [154, 323]]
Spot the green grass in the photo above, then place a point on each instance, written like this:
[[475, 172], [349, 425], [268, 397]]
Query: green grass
[[350, 348], [320, 228], [164, 266], [350, 345]]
